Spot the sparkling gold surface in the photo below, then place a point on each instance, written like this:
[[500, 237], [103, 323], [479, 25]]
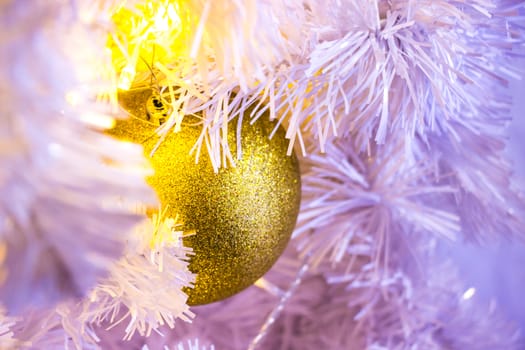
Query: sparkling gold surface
[[243, 216]]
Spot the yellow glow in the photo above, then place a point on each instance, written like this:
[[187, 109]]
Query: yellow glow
[[166, 230], [167, 18], [155, 31], [127, 75]]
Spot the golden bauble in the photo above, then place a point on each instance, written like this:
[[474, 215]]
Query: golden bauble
[[243, 215]]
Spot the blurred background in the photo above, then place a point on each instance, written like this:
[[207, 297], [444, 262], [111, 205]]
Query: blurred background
[[497, 272]]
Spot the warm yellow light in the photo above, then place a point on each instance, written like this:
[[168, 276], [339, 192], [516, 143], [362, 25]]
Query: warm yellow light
[[166, 18], [155, 31], [164, 230], [127, 75]]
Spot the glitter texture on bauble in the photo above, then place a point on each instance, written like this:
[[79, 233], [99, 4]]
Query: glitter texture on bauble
[[243, 215]]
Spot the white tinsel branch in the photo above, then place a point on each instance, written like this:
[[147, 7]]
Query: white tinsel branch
[[142, 293], [145, 286], [61, 179]]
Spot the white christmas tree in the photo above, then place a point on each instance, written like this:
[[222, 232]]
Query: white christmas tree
[[396, 109]]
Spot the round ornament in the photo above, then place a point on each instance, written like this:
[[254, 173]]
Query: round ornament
[[243, 215]]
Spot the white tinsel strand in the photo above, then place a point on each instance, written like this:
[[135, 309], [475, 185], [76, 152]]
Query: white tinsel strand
[[208, 53], [425, 305], [144, 289], [199, 34], [142, 294], [371, 69], [44, 329], [380, 68], [487, 199], [7, 341], [60, 176], [351, 201], [417, 303], [230, 324], [277, 311], [381, 302], [190, 344]]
